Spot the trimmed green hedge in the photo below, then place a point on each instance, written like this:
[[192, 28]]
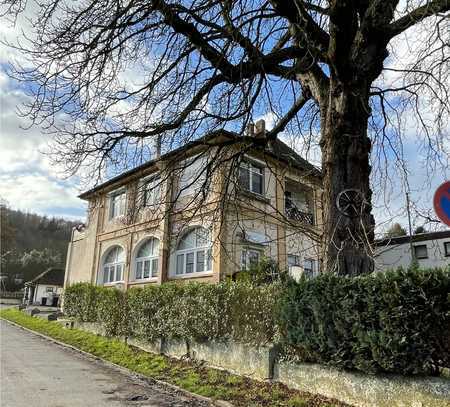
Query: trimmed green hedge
[[237, 311], [398, 321]]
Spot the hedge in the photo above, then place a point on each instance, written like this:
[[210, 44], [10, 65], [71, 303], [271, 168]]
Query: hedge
[[227, 311], [398, 321]]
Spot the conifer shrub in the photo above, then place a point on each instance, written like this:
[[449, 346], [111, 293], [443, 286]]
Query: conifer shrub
[[397, 321]]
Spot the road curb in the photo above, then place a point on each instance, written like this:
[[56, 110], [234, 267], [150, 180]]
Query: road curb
[[128, 372]]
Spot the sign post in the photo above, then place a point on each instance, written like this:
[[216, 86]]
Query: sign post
[[441, 202]]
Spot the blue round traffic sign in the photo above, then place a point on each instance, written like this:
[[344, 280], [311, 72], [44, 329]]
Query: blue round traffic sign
[[441, 202]]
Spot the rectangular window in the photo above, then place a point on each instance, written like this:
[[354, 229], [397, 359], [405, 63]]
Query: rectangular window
[[308, 267], [193, 261], [119, 270], [117, 205], [200, 261], [244, 177], [297, 207], [105, 275], [189, 263], [180, 264], [146, 268], [111, 274], [257, 180], [209, 260], [447, 248], [293, 260], [251, 177], [152, 192], [49, 289], [155, 268], [421, 252], [138, 270], [249, 257]]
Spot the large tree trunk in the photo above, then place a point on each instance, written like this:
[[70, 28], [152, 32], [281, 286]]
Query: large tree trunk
[[348, 233]]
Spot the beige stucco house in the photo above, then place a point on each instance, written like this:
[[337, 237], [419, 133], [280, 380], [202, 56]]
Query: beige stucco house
[[200, 212]]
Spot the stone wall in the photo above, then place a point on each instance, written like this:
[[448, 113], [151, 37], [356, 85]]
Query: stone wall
[[364, 390], [261, 363]]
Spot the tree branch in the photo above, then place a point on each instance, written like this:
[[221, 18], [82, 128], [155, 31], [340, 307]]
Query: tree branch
[[284, 121], [417, 15]]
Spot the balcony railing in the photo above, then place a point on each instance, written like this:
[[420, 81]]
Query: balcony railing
[[294, 213]]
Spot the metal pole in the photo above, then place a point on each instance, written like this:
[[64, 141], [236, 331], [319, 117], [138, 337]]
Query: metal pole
[[413, 257]]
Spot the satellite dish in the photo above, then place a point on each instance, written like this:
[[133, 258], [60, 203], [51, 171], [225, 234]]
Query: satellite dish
[[351, 202]]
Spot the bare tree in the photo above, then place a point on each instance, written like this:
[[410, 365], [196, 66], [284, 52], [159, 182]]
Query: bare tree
[[108, 76]]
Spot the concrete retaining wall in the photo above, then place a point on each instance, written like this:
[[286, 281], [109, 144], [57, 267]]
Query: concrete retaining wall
[[91, 327], [152, 347], [10, 301], [256, 362], [366, 390], [354, 388]]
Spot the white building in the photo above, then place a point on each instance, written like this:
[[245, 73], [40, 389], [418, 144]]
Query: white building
[[430, 250], [45, 289]]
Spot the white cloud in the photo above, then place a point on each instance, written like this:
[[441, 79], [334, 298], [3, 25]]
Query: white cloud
[[40, 193], [28, 180]]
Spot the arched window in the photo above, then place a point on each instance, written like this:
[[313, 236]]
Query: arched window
[[193, 253], [113, 265], [146, 263]]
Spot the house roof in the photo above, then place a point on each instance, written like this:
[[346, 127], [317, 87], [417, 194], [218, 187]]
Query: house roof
[[51, 276], [420, 237], [277, 149]]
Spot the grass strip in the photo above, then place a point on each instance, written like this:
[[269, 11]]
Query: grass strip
[[192, 376]]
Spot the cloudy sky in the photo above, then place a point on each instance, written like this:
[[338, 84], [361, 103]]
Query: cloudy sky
[[29, 182]]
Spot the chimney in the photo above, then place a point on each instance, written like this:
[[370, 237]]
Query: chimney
[[250, 130], [260, 128], [158, 147]]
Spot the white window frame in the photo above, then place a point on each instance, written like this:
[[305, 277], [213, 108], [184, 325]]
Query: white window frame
[[254, 169], [115, 268], [151, 186], [123, 204], [150, 260], [183, 254], [245, 260]]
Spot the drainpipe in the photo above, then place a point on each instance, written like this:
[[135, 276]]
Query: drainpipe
[[158, 147], [411, 248]]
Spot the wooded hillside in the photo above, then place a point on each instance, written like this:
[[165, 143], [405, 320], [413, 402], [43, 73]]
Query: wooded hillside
[[30, 243]]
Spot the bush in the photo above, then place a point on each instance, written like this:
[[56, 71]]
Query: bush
[[266, 271], [398, 321], [80, 301], [226, 311]]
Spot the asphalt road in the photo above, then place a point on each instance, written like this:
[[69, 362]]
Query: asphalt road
[[38, 373]]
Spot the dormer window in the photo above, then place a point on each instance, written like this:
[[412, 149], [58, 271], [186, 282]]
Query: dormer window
[[117, 204], [251, 177]]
